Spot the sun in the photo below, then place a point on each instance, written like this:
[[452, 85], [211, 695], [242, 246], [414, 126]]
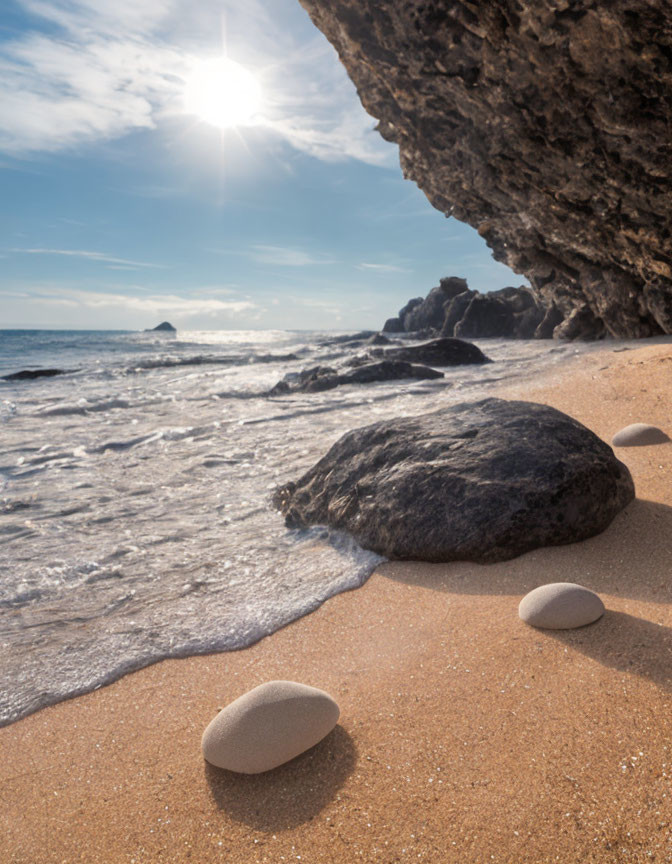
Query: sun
[[223, 93]]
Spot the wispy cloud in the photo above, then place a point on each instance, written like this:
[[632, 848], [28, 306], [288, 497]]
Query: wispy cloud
[[56, 93], [283, 256], [382, 268], [178, 305], [314, 106], [112, 68], [114, 262]]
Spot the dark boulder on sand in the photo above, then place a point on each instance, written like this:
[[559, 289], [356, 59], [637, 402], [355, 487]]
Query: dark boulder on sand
[[482, 481], [321, 378], [438, 352]]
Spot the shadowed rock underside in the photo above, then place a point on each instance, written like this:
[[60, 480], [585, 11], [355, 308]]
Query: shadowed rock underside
[[546, 126]]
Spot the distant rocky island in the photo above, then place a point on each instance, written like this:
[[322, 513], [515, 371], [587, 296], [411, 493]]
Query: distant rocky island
[[164, 326]]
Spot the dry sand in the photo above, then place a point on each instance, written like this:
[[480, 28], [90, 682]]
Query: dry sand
[[465, 736]]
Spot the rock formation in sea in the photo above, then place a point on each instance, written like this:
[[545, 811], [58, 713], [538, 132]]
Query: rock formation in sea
[[480, 481], [453, 309], [164, 326], [545, 126]]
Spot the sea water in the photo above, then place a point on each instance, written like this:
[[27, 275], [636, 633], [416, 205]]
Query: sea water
[[135, 493]]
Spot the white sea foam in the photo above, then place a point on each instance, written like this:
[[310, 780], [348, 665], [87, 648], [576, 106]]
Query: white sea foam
[[136, 516]]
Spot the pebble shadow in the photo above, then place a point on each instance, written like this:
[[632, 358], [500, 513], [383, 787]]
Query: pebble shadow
[[290, 795]]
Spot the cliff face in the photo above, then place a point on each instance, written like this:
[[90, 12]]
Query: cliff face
[[545, 125]]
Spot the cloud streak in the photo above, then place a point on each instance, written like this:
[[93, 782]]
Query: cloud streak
[[191, 306], [382, 268], [283, 256], [116, 263]]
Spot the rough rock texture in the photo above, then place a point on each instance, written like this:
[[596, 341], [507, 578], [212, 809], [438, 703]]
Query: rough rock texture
[[482, 481], [560, 606], [546, 126], [513, 312], [454, 312], [393, 325], [427, 313], [325, 378], [452, 309], [438, 352], [268, 726]]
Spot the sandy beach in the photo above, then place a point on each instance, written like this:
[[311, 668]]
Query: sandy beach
[[465, 735]]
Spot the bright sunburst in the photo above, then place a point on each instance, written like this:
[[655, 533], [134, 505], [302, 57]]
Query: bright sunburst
[[223, 93]]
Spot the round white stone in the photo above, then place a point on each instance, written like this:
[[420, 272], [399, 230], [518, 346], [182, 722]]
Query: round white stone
[[639, 435], [269, 726], [560, 606]]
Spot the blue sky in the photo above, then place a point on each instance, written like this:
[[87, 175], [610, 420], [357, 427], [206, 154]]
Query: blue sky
[[120, 208]]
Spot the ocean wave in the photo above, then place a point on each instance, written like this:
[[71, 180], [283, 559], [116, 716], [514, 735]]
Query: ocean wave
[[89, 406], [207, 360]]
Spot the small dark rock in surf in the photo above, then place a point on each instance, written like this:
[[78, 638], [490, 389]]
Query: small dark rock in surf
[[27, 374], [482, 481], [379, 339], [321, 378]]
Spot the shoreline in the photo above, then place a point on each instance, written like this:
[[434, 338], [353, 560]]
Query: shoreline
[[464, 734]]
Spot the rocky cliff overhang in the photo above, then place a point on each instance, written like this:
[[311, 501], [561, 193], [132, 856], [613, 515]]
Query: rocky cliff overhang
[[546, 125]]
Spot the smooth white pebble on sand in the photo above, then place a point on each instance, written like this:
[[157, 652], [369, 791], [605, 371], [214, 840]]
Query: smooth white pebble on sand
[[268, 726], [560, 606], [639, 435]]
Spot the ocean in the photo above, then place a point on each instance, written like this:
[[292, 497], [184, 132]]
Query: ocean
[[135, 493]]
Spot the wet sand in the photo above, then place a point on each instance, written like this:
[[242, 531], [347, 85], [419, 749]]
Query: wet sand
[[465, 736]]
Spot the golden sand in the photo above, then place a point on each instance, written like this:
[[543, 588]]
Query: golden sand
[[465, 736]]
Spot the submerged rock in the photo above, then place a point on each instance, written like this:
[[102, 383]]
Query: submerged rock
[[560, 606], [268, 726], [348, 338], [379, 339], [321, 378], [639, 435], [28, 374], [544, 125], [482, 481]]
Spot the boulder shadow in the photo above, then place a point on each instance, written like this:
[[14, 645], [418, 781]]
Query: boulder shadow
[[626, 643], [293, 793], [629, 558]]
